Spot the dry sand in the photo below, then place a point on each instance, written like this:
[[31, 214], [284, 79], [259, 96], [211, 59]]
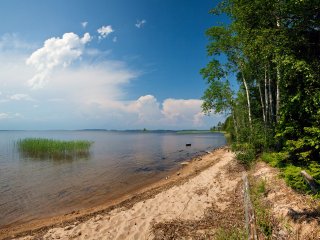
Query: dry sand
[[182, 198]]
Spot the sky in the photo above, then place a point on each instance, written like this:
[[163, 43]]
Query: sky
[[112, 64]]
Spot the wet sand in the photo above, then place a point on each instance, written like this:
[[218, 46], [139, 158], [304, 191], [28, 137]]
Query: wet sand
[[185, 195]]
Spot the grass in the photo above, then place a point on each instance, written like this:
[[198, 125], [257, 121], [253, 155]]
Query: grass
[[230, 234], [264, 219], [55, 149]]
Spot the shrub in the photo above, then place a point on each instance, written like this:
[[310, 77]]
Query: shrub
[[275, 159], [294, 178]]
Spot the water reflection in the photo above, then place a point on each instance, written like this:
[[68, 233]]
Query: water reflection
[[59, 157], [33, 186]]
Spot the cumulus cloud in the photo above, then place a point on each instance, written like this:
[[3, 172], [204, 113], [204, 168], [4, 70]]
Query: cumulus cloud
[[147, 111], [84, 24], [104, 31], [183, 110], [140, 23], [54, 53], [87, 95]]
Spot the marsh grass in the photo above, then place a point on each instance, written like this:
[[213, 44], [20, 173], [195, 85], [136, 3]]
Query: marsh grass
[[53, 149]]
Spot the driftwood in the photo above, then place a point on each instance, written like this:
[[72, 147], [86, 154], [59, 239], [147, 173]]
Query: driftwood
[[249, 211], [310, 181]]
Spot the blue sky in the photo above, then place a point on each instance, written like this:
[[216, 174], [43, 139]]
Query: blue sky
[[114, 64]]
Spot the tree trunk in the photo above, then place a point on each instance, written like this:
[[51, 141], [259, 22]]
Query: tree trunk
[[262, 105], [270, 99], [278, 94], [266, 94], [235, 124], [278, 81], [248, 99]]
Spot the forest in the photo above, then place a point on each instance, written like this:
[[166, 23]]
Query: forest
[[272, 47]]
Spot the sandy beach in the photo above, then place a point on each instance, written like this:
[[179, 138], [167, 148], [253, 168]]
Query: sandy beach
[[201, 199], [200, 186]]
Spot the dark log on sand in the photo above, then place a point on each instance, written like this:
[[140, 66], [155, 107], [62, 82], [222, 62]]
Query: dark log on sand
[[310, 181]]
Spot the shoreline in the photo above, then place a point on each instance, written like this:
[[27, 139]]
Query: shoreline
[[175, 177]]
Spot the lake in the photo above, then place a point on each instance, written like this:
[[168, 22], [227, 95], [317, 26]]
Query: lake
[[118, 162]]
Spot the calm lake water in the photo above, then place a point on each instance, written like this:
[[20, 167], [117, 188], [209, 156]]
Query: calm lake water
[[118, 162]]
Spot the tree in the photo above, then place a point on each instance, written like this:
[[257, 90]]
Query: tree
[[274, 48]]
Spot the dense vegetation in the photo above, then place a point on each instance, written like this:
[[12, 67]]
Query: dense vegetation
[[53, 149], [273, 49]]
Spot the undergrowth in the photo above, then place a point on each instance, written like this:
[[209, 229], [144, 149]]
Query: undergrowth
[[291, 171], [264, 219]]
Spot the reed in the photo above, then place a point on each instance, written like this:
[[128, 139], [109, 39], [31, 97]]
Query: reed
[[55, 149]]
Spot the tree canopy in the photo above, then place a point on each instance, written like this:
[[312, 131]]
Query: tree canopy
[[273, 47]]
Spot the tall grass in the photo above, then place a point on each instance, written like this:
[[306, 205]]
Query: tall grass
[[55, 149]]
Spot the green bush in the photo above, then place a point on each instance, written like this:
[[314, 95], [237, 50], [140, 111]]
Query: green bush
[[294, 179], [246, 156], [275, 159], [314, 171]]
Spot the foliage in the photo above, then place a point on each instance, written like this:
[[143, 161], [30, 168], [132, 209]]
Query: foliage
[[245, 154], [273, 49], [55, 149], [294, 179], [275, 159]]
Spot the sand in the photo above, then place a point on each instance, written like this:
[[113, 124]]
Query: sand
[[296, 216], [196, 202], [184, 196]]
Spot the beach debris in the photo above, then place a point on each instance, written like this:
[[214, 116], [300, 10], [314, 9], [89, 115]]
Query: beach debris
[[184, 163], [178, 173], [188, 145], [69, 227], [310, 181], [208, 152], [97, 218]]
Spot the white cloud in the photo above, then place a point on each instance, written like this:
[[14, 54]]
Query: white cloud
[[84, 24], [183, 110], [20, 96], [104, 31], [9, 115], [91, 94], [140, 23], [11, 42], [4, 116], [55, 52], [147, 111]]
